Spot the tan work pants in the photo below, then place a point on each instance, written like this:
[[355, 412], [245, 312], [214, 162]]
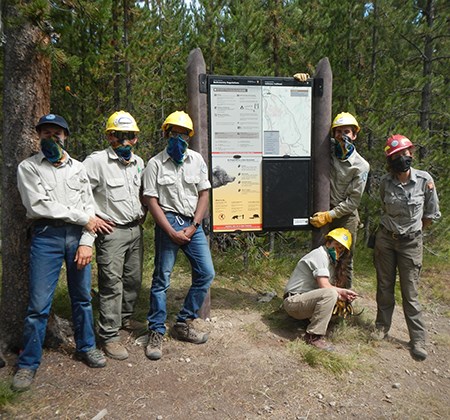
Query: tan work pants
[[316, 305]]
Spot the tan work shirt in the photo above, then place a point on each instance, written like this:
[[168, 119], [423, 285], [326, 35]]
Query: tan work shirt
[[176, 186], [404, 206], [316, 263], [347, 183], [116, 187], [50, 192]]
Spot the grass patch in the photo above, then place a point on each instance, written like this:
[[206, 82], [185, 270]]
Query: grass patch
[[335, 363], [7, 395]]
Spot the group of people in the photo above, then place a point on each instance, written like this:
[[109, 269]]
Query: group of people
[[409, 203], [103, 202]]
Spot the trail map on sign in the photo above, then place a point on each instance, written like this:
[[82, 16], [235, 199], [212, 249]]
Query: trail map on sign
[[286, 121]]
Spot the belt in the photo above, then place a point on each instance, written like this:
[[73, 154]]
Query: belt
[[398, 236], [50, 222], [129, 225], [289, 294]]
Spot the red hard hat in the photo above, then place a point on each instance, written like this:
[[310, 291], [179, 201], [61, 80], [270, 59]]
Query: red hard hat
[[396, 143]]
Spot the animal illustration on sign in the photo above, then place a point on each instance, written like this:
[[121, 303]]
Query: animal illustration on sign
[[220, 177]]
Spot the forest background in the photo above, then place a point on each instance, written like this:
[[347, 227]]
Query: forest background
[[390, 62]]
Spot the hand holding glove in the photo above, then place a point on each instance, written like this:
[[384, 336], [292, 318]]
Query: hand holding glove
[[301, 77], [320, 219]]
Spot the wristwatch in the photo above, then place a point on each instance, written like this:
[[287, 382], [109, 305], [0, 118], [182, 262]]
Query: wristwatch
[[196, 225]]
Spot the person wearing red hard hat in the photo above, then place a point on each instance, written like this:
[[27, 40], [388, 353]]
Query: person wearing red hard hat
[[409, 204]]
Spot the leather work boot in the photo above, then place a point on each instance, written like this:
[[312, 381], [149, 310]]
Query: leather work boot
[[115, 350], [23, 379], [184, 331], [418, 351], [94, 358], [153, 350], [318, 341]]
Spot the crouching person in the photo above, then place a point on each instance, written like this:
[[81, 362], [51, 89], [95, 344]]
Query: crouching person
[[55, 191], [311, 292]]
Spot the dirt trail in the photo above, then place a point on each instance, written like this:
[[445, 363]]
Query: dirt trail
[[247, 370]]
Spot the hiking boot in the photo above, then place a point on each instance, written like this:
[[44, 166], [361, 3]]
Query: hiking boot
[[115, 350], [184, 331], [153, 350], [94, 358], [418, 351], [318, 341], [23, 379]]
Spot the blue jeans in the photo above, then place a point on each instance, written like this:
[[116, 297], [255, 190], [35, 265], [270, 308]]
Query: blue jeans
[[50, 246], [198, 253]]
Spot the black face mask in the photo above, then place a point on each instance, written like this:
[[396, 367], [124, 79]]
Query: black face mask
[[401, 164]]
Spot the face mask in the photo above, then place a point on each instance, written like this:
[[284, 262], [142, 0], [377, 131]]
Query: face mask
[[52, 150], [176, 149], [401, 164], [332, 253], [343, 149], [123, 152]]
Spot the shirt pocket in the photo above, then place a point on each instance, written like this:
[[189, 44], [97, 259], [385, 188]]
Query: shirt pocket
[[166, 180], [415, 206], [395, 206], [191, 179], [116, 189]]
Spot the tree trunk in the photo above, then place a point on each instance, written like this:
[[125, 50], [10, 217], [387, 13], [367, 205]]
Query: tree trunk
[[425, 105], [26, 97]]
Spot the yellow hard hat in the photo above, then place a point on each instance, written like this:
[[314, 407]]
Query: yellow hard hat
[[345, 118], [341, 235], [181, 119], [121, 121]]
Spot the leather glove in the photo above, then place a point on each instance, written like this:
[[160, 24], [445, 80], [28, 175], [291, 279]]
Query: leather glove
[[301, 77], [320, 219]]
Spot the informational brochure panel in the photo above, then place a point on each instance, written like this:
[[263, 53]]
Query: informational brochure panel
[[254, 120]]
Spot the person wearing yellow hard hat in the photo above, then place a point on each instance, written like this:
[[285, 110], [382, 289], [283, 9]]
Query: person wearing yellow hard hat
[[348, 177], [115, 174], [314, 287], [176, 192], [409, 204]]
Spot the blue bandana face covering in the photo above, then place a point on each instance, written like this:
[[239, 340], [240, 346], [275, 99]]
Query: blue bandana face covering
[[176, 149], [124, 152], [343, 149], [52, 150]]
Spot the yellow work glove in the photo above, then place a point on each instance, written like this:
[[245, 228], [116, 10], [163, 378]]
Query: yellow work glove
[[301, 77], [320, 219]]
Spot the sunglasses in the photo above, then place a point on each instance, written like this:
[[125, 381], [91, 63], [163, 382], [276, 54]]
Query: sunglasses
[[124, 135], [182, 136]]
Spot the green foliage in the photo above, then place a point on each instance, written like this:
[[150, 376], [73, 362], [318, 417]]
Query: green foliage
[[7, 395], [338, 364]]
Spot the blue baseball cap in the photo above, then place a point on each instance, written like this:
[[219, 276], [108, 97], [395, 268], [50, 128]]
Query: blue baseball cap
[[54, 119]]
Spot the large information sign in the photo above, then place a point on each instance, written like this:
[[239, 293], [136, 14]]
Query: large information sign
[[257, 125]]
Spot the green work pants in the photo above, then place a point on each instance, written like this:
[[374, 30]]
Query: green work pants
[[119, 260], [405, 254]]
